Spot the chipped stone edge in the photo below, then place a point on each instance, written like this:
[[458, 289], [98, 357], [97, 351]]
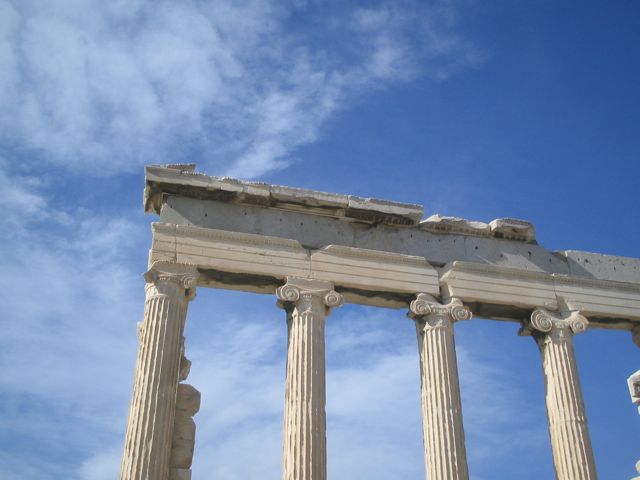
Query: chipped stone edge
[[182, 179], [174, 179]]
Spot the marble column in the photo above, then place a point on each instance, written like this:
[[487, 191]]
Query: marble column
[[443, 432], [148, 441], [307, 303], [553, 332]]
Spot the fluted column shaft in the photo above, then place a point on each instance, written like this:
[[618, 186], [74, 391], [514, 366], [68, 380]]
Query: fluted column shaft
[[151, 416], [307, 304], [443, 431], [572, 453]]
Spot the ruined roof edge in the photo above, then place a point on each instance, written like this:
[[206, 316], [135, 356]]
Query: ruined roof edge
[[173, 179], [181, 179]]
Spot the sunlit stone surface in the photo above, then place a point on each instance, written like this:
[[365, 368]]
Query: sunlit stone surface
[[572, 452], [315, 250], [443, 432]]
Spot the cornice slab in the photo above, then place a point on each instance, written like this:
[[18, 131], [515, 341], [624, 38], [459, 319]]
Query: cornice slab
[[182, 180], [162, 180]]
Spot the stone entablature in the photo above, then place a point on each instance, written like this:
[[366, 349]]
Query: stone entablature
[[194, 199], [259, 263], [315, 250]]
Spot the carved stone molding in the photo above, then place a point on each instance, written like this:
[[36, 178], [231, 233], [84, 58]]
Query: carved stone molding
[[434, 314]]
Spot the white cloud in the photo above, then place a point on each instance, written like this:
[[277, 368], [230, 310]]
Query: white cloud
[[101, 466], [67, 297], [106, 86]]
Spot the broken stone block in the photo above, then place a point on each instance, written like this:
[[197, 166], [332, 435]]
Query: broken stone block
[[185, 368], [183, 442], [188, 399], [513, 229], [440, 223]]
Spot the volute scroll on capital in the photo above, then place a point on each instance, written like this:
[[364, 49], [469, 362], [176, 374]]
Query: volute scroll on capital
[[165, 273], [544, 321], [298, 289], [434, 313]]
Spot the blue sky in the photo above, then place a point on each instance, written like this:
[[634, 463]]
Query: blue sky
[[473, 109]]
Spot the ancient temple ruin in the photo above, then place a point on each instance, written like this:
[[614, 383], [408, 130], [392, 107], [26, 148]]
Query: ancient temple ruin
[[315, 250]]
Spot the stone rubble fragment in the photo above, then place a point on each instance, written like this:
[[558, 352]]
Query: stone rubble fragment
[[513, 229], [440, 223]]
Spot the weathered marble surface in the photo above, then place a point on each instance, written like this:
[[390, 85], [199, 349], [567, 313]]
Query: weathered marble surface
[[251, 236], [317, 219], [571, 445], [307, 303], [152, 415], [443, 431], [315, 250]]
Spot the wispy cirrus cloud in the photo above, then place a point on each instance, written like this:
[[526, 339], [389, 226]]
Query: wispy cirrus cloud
[[68, 293], [106, 86]]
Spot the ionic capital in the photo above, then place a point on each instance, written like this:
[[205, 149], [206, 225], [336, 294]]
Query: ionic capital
[[557, 325], [436, 314], [165, 276], [297, 290]]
